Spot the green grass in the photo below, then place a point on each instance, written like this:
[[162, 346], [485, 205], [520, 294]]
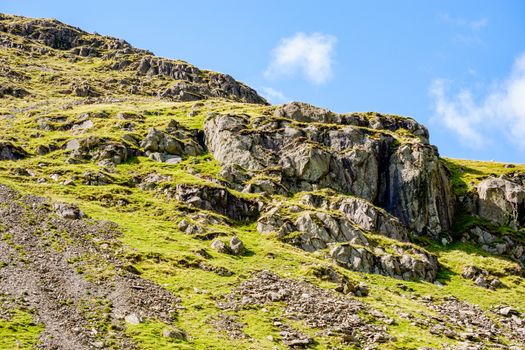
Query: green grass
[[19, 331], [154, 245]]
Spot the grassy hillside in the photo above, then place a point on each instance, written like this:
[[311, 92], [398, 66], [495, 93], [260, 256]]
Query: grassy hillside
[[155, 246], [162, 253]]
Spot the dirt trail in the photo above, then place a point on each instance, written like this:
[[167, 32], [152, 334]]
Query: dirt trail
[[64, 267]]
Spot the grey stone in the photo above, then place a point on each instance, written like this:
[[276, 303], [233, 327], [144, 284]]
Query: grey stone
[[500, 200], [69, 211], [174, 333], [170, 159], [73, 145], [220, 246], [508, 311], [133, 319], [237, 246]]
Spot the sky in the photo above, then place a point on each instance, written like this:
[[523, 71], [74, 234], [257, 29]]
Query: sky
[[458, 67]]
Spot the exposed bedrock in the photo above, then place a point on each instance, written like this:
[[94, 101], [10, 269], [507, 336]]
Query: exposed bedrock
[[385, 160]]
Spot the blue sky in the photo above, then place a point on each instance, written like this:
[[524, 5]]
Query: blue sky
[[456, 66]]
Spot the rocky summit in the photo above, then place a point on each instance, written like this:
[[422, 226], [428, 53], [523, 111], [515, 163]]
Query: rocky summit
[[149, 204]]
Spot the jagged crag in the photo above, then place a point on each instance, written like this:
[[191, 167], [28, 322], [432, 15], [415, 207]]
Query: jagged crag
[[148, 204]]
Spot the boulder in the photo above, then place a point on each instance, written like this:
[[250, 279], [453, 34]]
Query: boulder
[[220, 246], [501, 201], [237, 246], [133, 319], [172, 145], [157, 141], [174, 333], [69, 211], [9, 151]]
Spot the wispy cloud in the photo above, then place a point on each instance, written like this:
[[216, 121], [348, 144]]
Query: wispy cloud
[[308, 54], [499, 114], [469, 29], [473, 24], [272, 95], [472, 72], [469, 40]]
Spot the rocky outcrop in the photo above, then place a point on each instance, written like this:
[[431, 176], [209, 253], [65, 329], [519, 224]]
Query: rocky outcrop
[[496, 243], [173, 144], [310, 230], [361, 212], [321, 219], [502, 201], [60, 36], [193, 83], [188, 82], [308, 148], [215, 199], [481, 277], [318, 222], [103, 151], [236, 246], [404, 262], [306, 113]]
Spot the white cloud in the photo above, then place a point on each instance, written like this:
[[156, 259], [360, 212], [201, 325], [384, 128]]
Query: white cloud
[[500, 114], [471, 71], [309, 54], [479, 23], [469, 27], [272, 95], [469, 40], [475, 24]]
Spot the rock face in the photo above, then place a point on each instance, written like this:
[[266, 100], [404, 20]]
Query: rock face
[[310, 230], [193, 84], [304, 148], [361, 212], [502, 201], [318, 222], [408, 263]]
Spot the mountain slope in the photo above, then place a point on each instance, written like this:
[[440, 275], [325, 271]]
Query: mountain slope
[[214, 220]]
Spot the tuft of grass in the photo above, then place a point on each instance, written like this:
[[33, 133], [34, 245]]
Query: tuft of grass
[[19, 331]]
